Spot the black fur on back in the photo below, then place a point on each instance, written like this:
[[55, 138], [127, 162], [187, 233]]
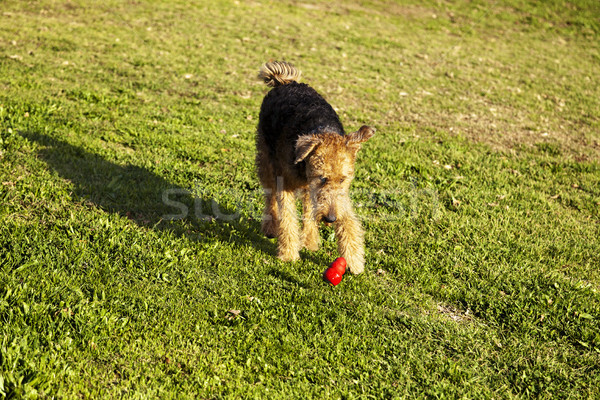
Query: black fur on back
[[292, 110]]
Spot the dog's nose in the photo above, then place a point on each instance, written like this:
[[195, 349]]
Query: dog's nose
[[330, 218]]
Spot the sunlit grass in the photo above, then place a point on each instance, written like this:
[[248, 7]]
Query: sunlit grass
[[480, 196]]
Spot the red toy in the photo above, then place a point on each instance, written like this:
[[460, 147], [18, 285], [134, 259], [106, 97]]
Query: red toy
[[336, 270]]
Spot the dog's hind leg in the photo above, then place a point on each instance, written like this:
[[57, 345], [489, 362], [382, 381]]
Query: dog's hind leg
[[266, 175], [270, 214]]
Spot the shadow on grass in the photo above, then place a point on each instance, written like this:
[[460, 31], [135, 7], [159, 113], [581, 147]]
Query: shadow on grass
[[137, 194], [286, 276]]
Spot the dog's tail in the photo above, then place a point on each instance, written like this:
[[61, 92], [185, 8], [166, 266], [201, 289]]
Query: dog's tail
[[277, 73]]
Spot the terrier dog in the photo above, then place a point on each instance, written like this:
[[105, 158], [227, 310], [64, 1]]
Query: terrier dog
[[301, 146]]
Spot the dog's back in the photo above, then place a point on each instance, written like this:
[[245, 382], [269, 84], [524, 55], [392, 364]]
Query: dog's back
[[292, 109]]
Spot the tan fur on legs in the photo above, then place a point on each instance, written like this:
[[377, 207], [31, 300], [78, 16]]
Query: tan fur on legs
[[350, 235], [267, 178], [310, 230], [288, 235], [270, 214]]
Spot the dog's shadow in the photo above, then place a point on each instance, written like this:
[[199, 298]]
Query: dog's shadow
[[145, 197]]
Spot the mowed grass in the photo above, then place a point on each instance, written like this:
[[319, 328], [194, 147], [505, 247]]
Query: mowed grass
[[479, 194]]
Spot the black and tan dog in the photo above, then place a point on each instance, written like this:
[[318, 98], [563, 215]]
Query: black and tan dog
[[301, 146]]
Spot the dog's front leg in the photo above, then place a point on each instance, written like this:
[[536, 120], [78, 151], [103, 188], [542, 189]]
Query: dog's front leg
[[310, 230], [350, 239], [288, 236]]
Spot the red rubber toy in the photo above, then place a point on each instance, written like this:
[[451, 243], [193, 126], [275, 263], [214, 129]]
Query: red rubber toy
[[335, 272]]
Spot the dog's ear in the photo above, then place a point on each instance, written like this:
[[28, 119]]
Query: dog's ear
[[362, 135], [354, 139], [305, 145]]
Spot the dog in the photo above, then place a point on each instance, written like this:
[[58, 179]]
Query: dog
[[301, 147]]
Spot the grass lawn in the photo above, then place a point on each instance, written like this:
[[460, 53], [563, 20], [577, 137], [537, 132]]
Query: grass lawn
[[131, 259]]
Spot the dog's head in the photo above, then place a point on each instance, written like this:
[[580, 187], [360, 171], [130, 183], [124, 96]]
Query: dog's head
[[329, 159]]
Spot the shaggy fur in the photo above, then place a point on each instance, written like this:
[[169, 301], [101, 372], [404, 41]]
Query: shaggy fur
[[301, 146]]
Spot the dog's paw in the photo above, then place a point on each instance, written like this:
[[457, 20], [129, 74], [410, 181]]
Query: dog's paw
[[312, 246], [269, 228], [356, 263], [288, 255], [310, 241]]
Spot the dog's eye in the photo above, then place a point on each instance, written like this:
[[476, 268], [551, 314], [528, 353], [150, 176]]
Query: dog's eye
[[342, 180], [323, 180]]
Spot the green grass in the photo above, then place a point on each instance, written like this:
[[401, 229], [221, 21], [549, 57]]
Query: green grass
[[480, 196]]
